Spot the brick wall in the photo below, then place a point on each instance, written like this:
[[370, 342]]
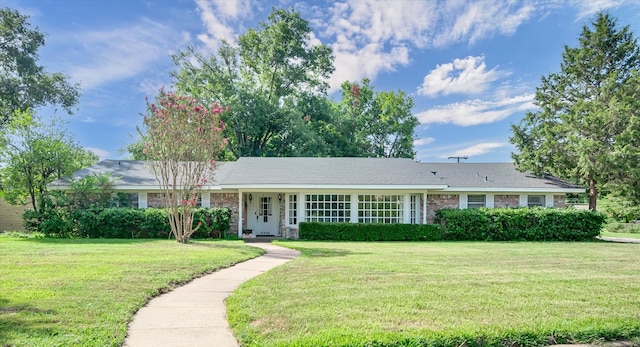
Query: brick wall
[[438, 201], [229, 200], [506, 201], [559, 201], [11, 217], [155, 200]]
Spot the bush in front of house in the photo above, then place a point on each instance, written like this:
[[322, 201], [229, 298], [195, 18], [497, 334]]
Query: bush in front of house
[[130, 223], [519, 224], [368, 232]]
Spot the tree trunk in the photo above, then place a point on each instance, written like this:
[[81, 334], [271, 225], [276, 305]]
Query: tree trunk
[[593, 194]]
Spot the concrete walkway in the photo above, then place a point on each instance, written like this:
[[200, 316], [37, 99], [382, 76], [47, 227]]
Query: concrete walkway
[[619, 239], [194, 315]]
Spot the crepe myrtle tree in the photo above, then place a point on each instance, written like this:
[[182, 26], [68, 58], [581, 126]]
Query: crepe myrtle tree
[[182, 141]]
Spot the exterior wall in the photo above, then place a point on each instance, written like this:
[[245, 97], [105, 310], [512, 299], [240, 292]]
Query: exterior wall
[[506, 201], [155, 200], [559, 201], [229, 200], [11, 217], [438, 201]]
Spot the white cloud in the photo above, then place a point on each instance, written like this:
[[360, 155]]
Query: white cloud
[[220, 18], [371, 36], [589, 8], [462, 76], [474, 112], [88, 120], [116, 54], [423, 141], [474, 20], [103, 154], [475, 150]]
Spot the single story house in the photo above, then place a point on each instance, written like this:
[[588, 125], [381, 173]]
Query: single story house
[[271, 196]]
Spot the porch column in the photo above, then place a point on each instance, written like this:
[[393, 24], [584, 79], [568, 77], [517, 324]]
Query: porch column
[[239, 214], [406, 209], [354, 209], [424, 208]]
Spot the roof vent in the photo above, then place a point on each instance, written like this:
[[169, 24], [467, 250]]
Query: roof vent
[[434, 172]]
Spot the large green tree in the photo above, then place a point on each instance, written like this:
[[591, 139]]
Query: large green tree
[[267, 78], [367, 123], [587, 128], [36, 154], [23, 83]]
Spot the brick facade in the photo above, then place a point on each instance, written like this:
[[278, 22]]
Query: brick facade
[[500, 201], [438, 201], [155, 200], [559, 201], [229, 200]]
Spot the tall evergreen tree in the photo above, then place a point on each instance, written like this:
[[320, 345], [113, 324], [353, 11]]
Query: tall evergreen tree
[[587, 129]]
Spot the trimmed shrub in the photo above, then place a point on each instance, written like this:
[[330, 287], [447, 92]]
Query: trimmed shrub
[[134, 223], [215, 222], [524, 224], [369, 232]]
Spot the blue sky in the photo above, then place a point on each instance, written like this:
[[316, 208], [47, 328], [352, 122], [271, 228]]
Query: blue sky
[[472, 67]]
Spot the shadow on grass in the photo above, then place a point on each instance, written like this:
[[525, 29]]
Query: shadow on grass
[[214, 243], [328, 252], [24, 320]]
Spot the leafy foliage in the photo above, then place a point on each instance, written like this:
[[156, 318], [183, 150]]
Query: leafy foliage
[[589, 119], [37, 153], [182, 140], [618, 209], [23, 83], [128, 223], [275, 80], [519, 224], [266, 80], [371, 124], [369, 232]]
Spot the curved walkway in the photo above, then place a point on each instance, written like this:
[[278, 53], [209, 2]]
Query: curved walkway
[[619, 239], [194, 315]]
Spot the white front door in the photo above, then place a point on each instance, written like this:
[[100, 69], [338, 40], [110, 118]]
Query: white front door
[[264, 215]]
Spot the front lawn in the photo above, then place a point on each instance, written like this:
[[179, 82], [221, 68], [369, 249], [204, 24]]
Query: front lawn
[[443, 294], [61, 292]]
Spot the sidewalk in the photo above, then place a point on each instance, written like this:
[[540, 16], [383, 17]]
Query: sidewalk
[[618, 239], [194, 315]]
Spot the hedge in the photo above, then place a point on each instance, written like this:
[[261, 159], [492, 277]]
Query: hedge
[[131, 223], [368, 232], [519, 224], [487, 224]]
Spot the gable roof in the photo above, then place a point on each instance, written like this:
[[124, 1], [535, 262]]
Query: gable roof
[[342, 173]]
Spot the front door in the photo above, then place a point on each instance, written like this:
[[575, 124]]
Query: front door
[[264, 215]]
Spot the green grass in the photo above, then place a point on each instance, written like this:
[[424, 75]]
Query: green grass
[[60, 292], [622, 235], [443, 294]]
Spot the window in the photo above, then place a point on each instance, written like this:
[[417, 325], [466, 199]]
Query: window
[[380, 209], [476, 201], [328, 208], [536, 200], [414, 209], [265, 206], [293, 209]]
